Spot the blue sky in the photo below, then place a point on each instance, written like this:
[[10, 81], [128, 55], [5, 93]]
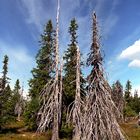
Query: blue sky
[[22, 22]]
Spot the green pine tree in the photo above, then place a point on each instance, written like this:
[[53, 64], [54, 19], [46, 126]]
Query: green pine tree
[[127, 94], [70, 65], [69, 79], [8, 110], [135, 103], [41, 74], [4, 80], [128, 111], [16, 95], [3, 90]]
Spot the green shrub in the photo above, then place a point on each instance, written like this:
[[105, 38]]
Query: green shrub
[[66, 132], [128, 112]]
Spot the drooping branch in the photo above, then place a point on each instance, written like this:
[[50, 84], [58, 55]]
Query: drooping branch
[[45, 114]]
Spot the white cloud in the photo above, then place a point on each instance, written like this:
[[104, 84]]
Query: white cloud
[[132, 53], [134, 63]]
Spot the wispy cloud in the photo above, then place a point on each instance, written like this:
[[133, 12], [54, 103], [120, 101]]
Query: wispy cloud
[[33, 11], [38, 12], [109, 21], [132, 53], [19, 54]]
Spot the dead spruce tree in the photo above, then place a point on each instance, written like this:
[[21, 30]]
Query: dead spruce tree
[[51, 96], [20, 104], [99, 118], [75, 113], [117, 97]]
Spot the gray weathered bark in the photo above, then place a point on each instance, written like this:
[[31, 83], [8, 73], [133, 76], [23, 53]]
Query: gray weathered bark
[[51, 96], [19, 105], [76, 113]]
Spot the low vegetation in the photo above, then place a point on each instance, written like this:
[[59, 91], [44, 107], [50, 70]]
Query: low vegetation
[[17, 131], [132, 130]]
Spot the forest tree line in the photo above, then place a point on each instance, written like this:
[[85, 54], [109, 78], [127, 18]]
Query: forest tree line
[[11, 101], [14, 107]]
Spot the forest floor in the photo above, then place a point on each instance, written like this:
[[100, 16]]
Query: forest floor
[[132, 130], [17, 131]]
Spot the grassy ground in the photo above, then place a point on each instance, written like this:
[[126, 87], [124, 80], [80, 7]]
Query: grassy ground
[[132, 130], [17, 131]]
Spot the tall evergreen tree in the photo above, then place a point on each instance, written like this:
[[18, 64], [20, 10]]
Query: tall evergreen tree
[[127, 94], [4, 72], [3, 90], [44, 59], [16, 90], [135, 105], [129, 110], [7, 108], [70, 65], [41, 74], [17, 105]]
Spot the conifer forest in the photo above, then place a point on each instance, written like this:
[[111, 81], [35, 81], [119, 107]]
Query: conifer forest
[[64, 102]]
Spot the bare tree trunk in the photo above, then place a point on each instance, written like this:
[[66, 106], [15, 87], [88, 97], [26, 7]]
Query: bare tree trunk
[[18, 118], [51, 95], [60, 94], [77, 129], [76, 113], [19, 105], [55, 135]]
